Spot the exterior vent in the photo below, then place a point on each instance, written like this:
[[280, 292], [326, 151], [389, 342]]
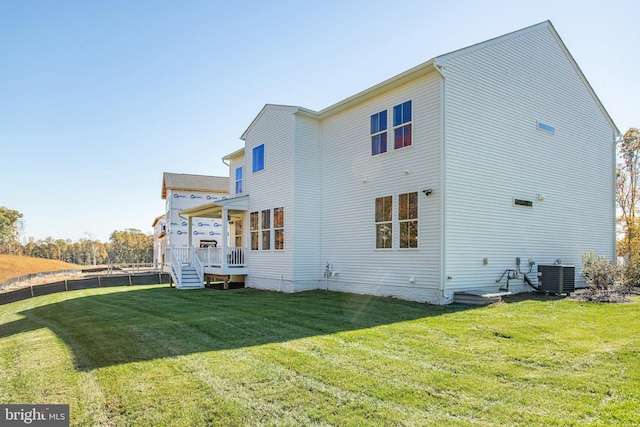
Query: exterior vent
[[556, 279], [545, 127], [521, 202]]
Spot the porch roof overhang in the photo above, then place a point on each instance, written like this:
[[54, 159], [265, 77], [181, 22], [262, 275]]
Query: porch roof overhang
[[214, 209]]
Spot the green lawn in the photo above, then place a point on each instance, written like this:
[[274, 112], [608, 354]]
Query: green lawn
[[155, 356]]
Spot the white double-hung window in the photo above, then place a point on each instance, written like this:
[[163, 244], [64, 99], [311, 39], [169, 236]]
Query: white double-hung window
[[397, 216]]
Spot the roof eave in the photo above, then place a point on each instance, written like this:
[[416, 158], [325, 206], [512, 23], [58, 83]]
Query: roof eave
[[237, 153], [385, 86]]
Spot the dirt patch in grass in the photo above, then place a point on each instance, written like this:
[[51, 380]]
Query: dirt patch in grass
[[617, 294]]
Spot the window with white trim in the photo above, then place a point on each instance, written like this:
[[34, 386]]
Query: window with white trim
[[400, 214], [266, 229], [254, 225], [278, 228], [258, 158], [379, 133], [238, 233], [239, 180], [384, 222], [402, 125], [408, 220]]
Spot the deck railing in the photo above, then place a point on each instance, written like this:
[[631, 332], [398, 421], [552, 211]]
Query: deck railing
[[212, 257], [183, 255]]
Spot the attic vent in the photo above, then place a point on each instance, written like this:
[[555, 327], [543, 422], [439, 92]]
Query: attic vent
[[545, 127], [521, 202]]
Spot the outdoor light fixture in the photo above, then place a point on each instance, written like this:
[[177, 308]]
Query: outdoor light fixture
[[427, 192]]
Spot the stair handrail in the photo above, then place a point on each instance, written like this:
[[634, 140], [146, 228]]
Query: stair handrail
[[197, 264], [176, 267]]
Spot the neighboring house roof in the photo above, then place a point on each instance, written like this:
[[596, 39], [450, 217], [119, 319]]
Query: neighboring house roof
[[158, 218], [188, 182], [438, 64]]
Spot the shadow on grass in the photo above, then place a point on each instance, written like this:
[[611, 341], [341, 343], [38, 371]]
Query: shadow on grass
[[147, 324]]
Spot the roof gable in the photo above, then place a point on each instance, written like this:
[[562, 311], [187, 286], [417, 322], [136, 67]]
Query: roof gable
[[262, 112], [440, 61]]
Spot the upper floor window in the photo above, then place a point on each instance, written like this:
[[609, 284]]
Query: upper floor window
[[379, 133], [258, 158], [402, 125], [239, 180]]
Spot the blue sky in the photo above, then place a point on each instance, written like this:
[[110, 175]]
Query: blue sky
[[99, 98]]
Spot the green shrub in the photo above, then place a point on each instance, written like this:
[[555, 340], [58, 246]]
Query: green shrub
[[605, 279]]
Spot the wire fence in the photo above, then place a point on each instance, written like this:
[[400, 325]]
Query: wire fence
[[97, 281], [108, 269], [29, 277]]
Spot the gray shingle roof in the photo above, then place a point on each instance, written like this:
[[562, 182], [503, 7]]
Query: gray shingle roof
[[188, 182]]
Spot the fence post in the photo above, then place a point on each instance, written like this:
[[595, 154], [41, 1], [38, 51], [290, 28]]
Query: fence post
[[130, 280], [160, 278], [99, 284], [31, 291], [66, 288]]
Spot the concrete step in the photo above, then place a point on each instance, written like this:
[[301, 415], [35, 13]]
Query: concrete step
[[478, 296]]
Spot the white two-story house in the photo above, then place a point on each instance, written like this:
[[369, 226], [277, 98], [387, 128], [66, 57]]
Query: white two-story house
[[493, 159]]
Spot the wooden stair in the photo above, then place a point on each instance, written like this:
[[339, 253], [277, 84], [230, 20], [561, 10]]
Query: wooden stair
[[190, 279]]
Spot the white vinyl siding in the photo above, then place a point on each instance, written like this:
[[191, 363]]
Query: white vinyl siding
[[304, 229], [273, 186], [496, 95], [352, 179]]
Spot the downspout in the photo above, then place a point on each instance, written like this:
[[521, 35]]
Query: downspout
[[443, 190]]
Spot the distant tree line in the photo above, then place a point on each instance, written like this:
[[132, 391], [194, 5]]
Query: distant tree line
[[124, 246]]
